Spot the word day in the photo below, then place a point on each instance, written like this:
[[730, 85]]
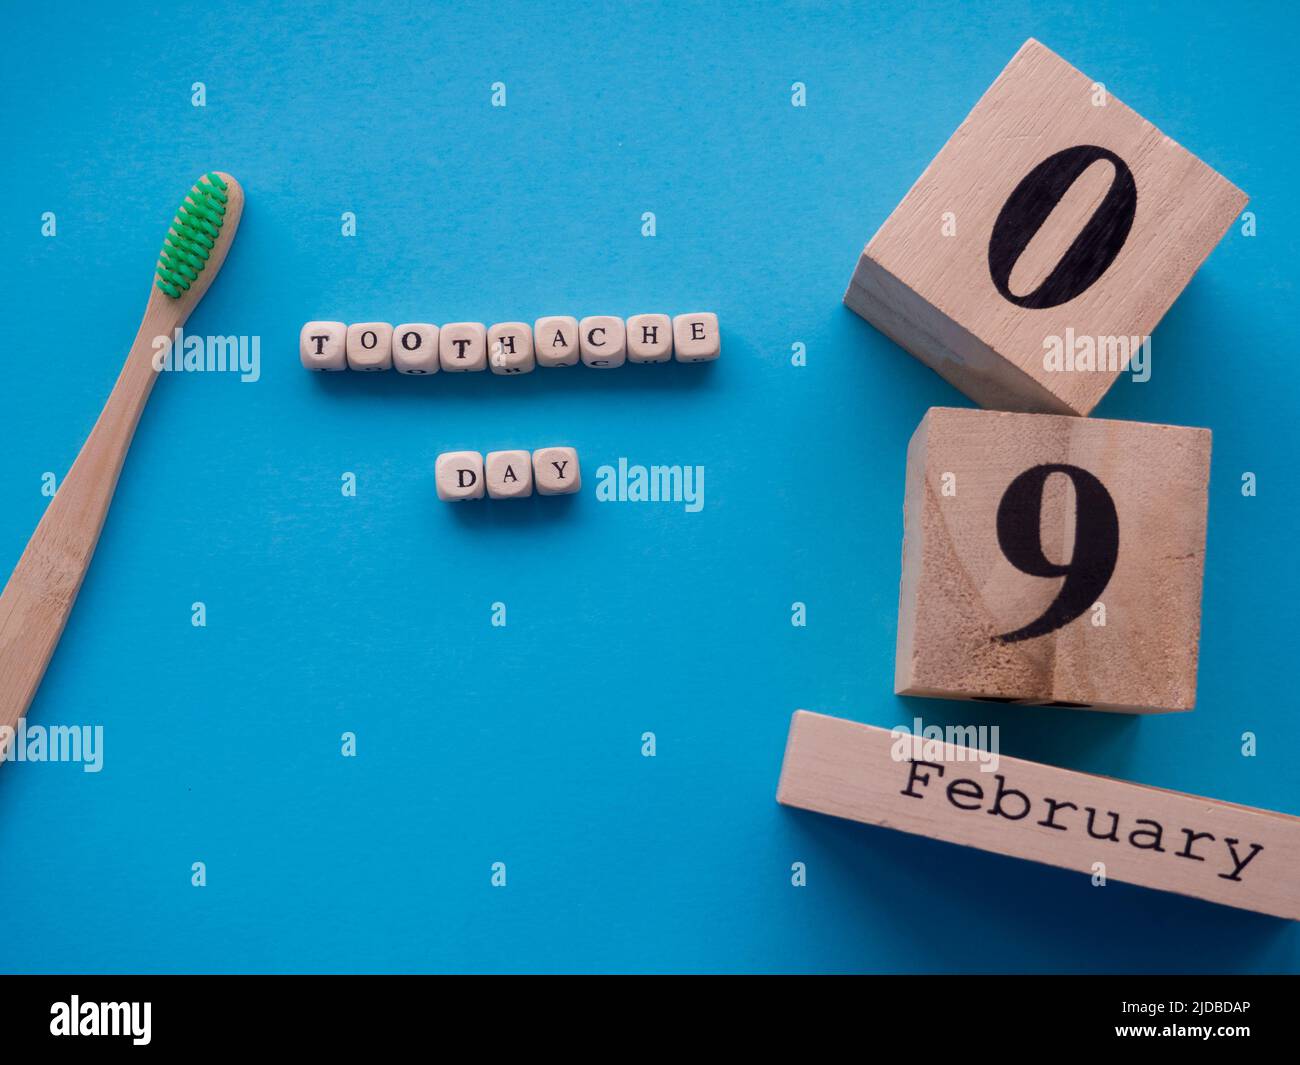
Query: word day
[[601, 341], [462, 475]]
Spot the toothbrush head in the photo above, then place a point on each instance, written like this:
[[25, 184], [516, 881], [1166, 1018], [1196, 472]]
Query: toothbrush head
[[194, 233]]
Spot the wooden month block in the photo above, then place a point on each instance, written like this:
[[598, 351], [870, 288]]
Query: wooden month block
[[1053, 215], [1230, 854], [415, 348], [509, 474], [459, 475], [1052, 560], [324, 346], [556, 471], [555, 341], [370, 346], [696, 337], [510, 348], [462, 347], [602, 340], [649, 338]]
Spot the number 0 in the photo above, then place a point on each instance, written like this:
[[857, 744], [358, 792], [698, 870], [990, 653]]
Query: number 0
[[1093, 250]]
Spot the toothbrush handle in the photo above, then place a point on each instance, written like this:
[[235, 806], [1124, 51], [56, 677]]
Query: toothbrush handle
[[38, 598]]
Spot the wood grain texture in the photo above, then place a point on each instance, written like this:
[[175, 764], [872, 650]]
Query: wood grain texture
[[43, 586], [960, 590], [323, 346], [458, 476], [696, 337], [557, 471], [1219, 851], [510, 348], [509, 474], [649, 338], [555, 340], [925, 278], [602, 341], [415, 348]]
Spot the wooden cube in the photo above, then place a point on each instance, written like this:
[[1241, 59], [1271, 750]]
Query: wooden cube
[[649, 338], [555, 341], [696, 337], [1052, 560], [509, 474], [602, 340], [556, 471], [462, 347], [324, 346], [459, 476], [1054, 214], [510, 348], [370, 346], [415, 348]]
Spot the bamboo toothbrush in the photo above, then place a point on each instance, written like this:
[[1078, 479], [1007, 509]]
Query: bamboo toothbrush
[[40, 593]]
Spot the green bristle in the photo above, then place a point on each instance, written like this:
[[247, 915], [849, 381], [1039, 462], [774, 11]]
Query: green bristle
[[192, 236]]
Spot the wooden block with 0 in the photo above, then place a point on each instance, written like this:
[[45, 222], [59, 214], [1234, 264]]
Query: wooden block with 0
[[1052, 560], [1218, 851], [1055, 222]]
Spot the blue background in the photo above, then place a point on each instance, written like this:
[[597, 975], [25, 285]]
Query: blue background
[[371, 614]]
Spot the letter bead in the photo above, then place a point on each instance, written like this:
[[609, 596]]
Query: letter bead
[[370, 346], [696, 337], [556, 341], [602, 340], [415, 348], [459, 476], [462, 347], [510, 348], [556, 471], [509, 474], [649, 338], [323, 346]]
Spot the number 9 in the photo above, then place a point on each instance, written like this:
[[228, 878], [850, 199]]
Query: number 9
[[1096, 544]]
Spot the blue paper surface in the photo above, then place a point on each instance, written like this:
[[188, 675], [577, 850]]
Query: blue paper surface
[[371, 614]]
